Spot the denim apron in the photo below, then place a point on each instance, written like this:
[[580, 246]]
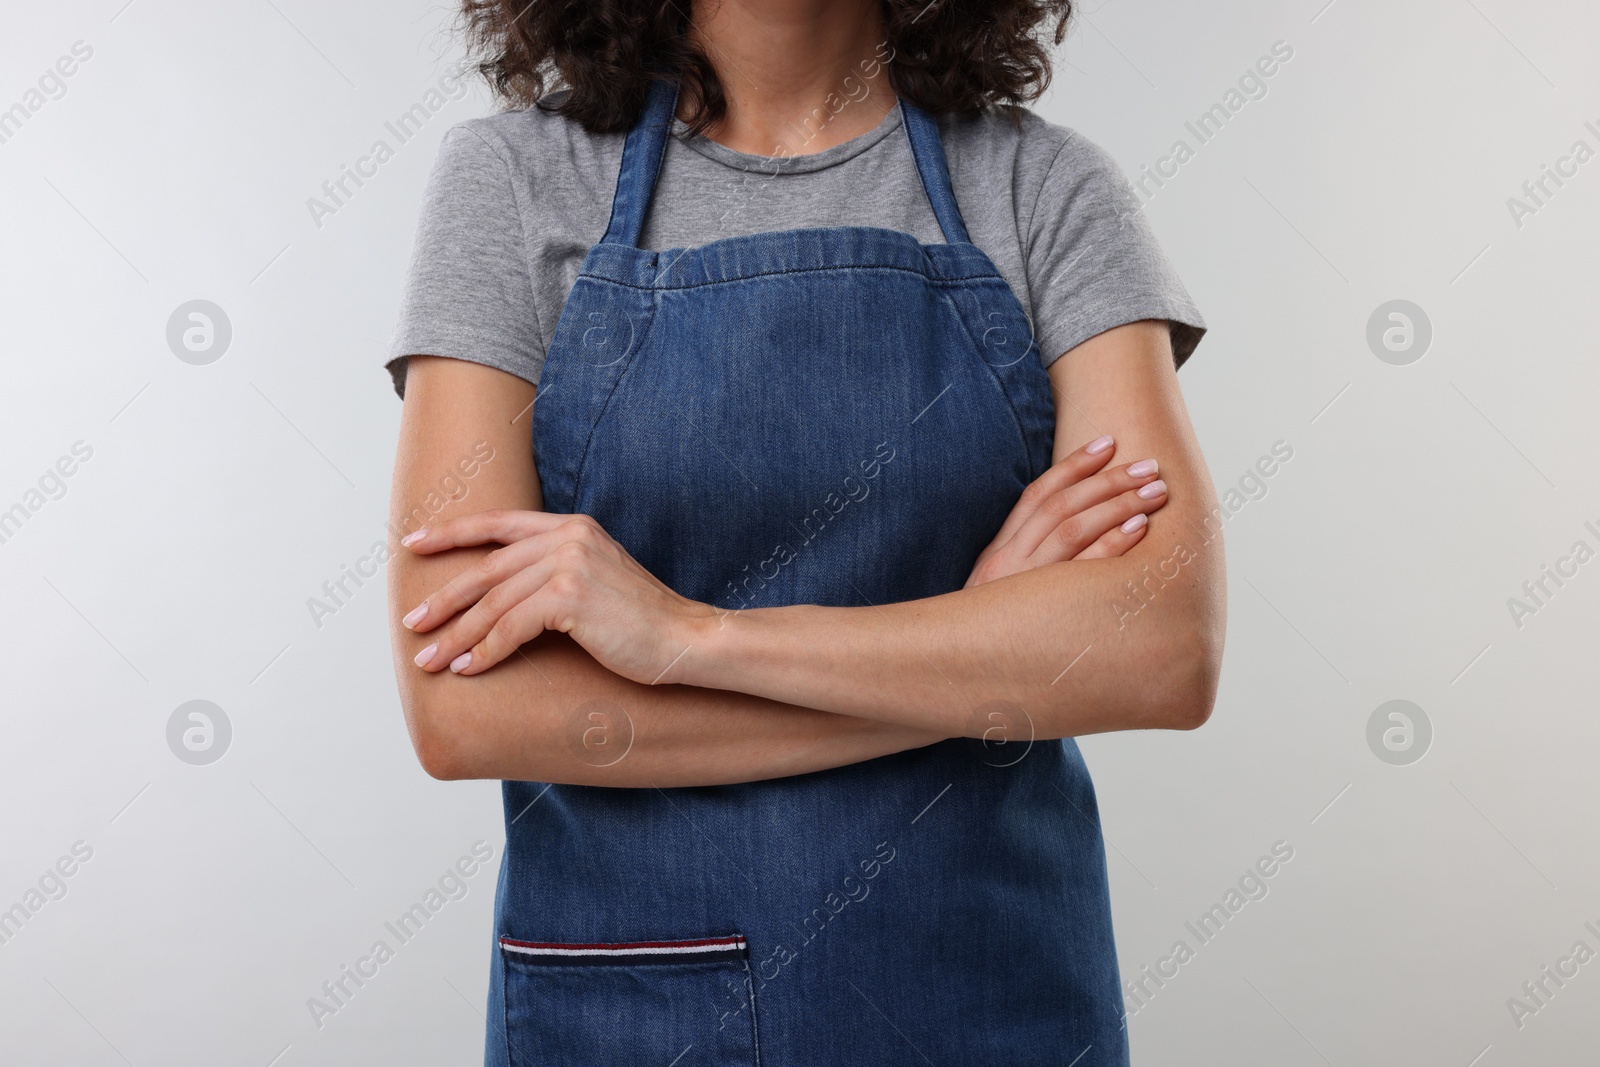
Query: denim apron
[[837, 416]]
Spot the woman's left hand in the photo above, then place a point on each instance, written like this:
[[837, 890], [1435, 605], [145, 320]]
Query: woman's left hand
[[555, 572]]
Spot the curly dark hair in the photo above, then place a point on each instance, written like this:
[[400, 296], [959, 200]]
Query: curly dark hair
[[944, 55]]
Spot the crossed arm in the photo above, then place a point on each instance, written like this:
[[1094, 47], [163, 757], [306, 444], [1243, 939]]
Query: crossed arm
[[510, 624]]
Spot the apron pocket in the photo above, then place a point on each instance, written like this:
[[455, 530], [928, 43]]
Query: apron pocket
[[687, 1002]]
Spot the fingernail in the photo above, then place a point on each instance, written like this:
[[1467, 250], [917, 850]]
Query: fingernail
[[1098, 445], [412, 538], [459, 664], [1135, 523], [1153, 490], [1142, 468], [426, 654], [415, 615]]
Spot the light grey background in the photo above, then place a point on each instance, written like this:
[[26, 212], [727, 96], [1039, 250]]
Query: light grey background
[[219, 897]]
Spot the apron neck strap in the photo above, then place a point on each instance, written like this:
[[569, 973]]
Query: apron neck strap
[[928, 151], [642, 153], [646, 146]]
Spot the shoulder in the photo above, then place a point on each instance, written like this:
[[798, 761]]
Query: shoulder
[[1004, 130], [1037, 157], [1021, 138], [530, 144]]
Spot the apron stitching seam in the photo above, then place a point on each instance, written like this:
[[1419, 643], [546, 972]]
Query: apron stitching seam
[[992, 276], [577, 473], [1005, 394], [755, 1029]]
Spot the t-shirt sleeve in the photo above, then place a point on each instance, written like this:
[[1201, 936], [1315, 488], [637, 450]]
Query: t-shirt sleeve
[[1093, 261], [467, 292]]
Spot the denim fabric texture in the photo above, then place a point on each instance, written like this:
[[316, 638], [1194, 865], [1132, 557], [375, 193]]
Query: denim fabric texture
[[838, 416]]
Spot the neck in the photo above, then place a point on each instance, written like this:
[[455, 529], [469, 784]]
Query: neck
[[799, 76]]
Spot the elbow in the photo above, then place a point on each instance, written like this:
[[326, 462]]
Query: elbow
[[436, 743], [1191, 709], [440, 762], [1189, 646], [1173, 686], [1184, 694]]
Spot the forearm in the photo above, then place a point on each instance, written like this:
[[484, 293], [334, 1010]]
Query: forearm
[[552, 714], [1080, 647]]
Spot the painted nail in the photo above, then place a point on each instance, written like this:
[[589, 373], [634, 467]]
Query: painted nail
[[1153, 490], [412, 538], [426, 654], [1135, 523], [459, 664], [1098, 445], [415, 616], [1142, 468]]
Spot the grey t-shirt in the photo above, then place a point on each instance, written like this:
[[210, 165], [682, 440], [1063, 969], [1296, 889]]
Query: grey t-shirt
[[516, 199]]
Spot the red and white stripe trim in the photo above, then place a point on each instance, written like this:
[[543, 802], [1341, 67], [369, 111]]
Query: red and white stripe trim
[[709, 949]]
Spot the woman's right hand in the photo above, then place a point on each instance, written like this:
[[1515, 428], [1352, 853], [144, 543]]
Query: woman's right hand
[[1078, 509]]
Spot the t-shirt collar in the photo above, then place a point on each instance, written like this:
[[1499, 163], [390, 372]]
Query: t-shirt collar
[[798, 163]]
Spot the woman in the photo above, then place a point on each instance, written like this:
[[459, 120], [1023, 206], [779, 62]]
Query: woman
[[819, 559]]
